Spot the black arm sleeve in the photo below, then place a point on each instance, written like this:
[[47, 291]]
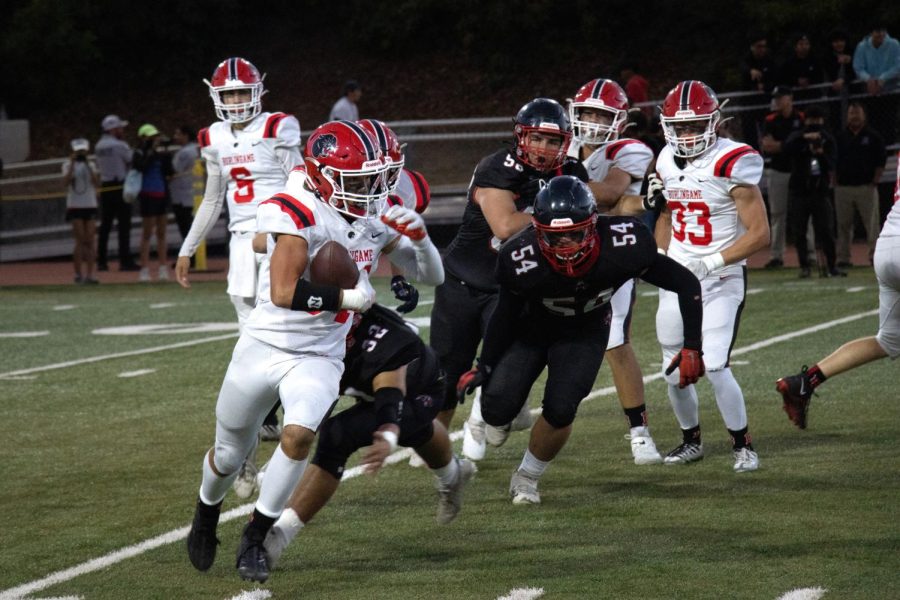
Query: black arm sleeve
[[501, 328], [388, 406], [669, 275]]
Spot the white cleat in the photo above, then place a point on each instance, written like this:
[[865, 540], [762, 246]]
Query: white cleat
[[275, 543], [450, 497], [416, 461], [496, 436], [523, 489], [246, 483], [687, 452], [642, 447], [523, 420], [473, 446], [745, 460]]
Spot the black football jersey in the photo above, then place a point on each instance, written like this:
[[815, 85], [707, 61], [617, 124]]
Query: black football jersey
[[384, 342], [472, 255], [627, 249]]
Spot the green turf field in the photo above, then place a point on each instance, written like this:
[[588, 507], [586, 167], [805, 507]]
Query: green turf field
[[100, 456]]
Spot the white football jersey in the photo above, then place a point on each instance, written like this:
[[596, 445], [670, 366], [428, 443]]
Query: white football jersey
[[254, 161], [413, 190], [631, 156], [892, 223], [297, 211], [704, 216]]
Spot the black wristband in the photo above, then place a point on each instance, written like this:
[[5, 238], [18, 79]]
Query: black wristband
[[388, 406], [310, 296]]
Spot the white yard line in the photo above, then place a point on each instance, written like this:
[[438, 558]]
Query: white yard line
[[179, 534], [23, 334], [138, 373], [82, 361], [804, 594], [257, 594], [523, 594]]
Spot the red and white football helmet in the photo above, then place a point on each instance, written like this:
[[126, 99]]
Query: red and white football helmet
[[346, 168], [690, 117], [391, 148], [236, 74], [602, 95]]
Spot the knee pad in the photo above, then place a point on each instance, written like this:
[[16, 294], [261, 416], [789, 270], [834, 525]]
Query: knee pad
[[332, 451], [228, 457], [495, 411], [559, 416]]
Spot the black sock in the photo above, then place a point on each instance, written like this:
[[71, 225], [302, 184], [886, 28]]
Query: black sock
[[692, 435], [206, 513], [637, 416], [740, 439], [259, 525], [816, 376]]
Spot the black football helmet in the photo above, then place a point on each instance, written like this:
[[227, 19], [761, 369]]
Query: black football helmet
[[565, 217], [548, 120]]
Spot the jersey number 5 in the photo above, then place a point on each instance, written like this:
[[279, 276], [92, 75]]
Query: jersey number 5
[[244, 182], [519, 255], [700, 211]]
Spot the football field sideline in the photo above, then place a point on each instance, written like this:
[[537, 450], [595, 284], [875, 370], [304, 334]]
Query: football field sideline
[[179, 534]]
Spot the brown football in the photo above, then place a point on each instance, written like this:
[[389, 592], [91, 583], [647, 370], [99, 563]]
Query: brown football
[[332, 265]]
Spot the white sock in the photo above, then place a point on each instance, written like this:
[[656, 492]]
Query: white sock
[[214, 487], [448, 473], [289, 524], [729, 397], [685, 405], [475, 413], [281, 478], [531, 466]]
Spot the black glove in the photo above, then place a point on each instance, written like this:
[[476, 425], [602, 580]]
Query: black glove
[[654, 200], [470, 380], [405, 292]]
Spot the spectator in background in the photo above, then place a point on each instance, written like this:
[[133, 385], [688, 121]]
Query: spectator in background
[[860, 163], [155, 165], [877, 62], [181, 186], [345, 108], [779, 124], [113, 159], [637, 88], [757, 75], [813, 155], [644, 129], [82, 179], [838, 65], [802, 69]]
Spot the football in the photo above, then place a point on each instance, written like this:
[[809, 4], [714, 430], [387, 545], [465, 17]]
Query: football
[[332, 265]]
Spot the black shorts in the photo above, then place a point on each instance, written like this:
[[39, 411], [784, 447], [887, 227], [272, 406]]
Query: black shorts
[[346, 432], [153, 207], [86, 214]]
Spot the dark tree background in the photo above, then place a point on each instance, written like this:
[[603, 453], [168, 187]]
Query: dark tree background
[[66, 63]]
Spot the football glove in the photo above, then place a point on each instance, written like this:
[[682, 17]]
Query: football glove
[[405, 292], [705, 266], [654, 200], [471, 379], [407, 222], [690, 366]]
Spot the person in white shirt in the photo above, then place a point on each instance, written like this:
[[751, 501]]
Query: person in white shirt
[[181, 186], [796, 390], [113, 160], [82, 179], [345, 108], [715, 219], [293, 343]]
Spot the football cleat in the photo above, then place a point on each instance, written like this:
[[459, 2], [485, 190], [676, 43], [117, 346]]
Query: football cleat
[[270, 432], [523, 420], [450, 497], [201, 539], [745, 459], [275, 543], [252, 560], [523, 489], [496, 436], [687, 452], [474, 446], [796, 390], [416, 461], [643, 449], [245, 485]]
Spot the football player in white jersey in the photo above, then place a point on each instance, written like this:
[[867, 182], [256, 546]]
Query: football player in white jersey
[[797, 390], [412, 189], [292, 344], [616, 167], [248, 155], [715, 219]]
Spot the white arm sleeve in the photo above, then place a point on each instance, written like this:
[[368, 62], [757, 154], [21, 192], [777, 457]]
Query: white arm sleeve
[[208, 212], [420, 260]]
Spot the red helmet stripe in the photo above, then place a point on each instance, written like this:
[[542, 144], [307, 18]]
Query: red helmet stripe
[[299, 213], [725, 165]]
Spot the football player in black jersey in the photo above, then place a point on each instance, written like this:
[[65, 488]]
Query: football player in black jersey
[[503, 186], [556, 279], [399, 386]]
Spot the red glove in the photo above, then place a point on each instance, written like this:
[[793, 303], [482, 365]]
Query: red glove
[[690, 366], [470, 380], [407, 222]]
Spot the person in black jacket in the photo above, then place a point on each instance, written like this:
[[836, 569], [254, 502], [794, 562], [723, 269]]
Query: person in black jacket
[[813, 154]]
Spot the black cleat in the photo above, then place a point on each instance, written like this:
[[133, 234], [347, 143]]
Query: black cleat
[[201, 539], [252, 560], [796, 390]]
